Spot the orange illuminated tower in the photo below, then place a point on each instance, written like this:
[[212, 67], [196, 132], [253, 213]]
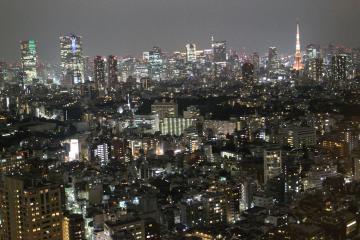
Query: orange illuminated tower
[[297, 64]]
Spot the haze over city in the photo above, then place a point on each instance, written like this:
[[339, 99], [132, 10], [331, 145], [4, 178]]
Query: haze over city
[[128, 27]]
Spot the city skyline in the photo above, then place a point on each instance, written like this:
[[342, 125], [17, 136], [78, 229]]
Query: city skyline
[[131, 32], [180, 120]]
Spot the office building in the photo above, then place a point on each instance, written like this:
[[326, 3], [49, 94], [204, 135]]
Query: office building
[[314, 69], [339, 68], [190, 52], [256, 62], [155, 61], [29, 60], [219, 51], [99, 73], [112, 72], [273, 60], [72, 61]]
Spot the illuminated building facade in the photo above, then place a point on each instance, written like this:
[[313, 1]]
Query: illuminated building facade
[[272, 163], [155, 62], [219, 51], [72, 60], [314, 69], [313, 63], [190, 52], [175, 126], [30, 209], [339, 68], [112, 72], [273, 60], [256, 63], [101, 151], [99, 73], [29, 60]]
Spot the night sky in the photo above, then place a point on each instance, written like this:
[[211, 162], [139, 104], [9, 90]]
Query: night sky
[[129, 27]]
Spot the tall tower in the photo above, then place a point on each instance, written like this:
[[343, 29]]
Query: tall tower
[[29, 60], [297, 64], [72, 60], [112, 72], [99, 73], [190, 52]]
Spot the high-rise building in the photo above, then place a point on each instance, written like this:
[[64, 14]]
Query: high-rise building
[[312, 51], [88, 68], [101, 151], [219, 50], [313, 62], [72, 60], [273, 60], [314, 68], [29, 60], [3, 73], [155, 62], [298, 64], [30, 209], [272, 163], [256, 62], [112, 72], [339, 68], [99, 73], [190, 52]]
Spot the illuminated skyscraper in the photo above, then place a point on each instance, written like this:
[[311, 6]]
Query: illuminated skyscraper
[[256, 62], [219, 50], [315, 68], [313, 62], [155, 62], [273, 59], [88, 68], [112, 72], [29, 60], [297, 64], [99, 73], [190, 52], [72, 61], [30, 208], [339, 67], [3, 74]]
